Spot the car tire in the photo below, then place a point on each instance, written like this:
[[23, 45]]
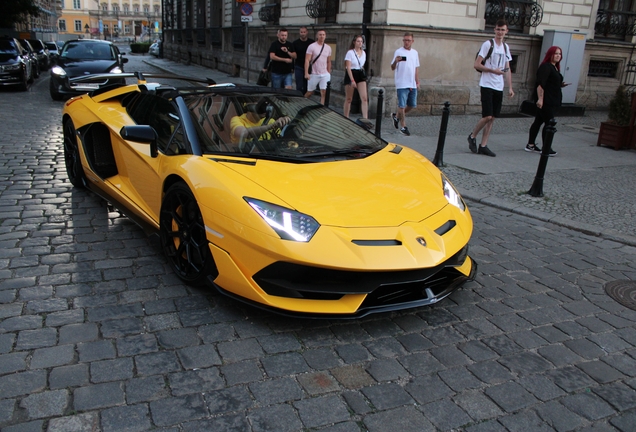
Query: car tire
[[54, 93], [24, 84], [74, 169], [36, 71], [183, 236]]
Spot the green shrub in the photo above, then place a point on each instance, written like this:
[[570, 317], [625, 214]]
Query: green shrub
[[139, 47], [619, 109]]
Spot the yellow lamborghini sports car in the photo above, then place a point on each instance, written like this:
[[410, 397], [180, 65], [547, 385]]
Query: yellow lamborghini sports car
[[272, 198]]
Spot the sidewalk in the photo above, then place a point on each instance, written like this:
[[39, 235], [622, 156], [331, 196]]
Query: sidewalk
[[587, 188]]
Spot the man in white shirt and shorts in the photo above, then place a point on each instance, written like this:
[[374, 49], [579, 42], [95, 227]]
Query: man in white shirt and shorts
[[406, 64], [318, 56]]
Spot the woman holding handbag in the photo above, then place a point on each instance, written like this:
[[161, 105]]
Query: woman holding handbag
[[355, 77], [549, 84]]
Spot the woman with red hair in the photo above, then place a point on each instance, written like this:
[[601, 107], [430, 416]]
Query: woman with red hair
[[548, 95]]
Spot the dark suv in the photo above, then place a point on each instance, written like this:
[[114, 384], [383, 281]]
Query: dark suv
[[42, 52], [15, 64], [85, 57]]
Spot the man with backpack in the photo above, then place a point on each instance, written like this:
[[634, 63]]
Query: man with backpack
[[493, 61]]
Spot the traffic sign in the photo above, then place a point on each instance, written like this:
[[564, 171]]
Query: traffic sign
[[246, 18], [246, 9]]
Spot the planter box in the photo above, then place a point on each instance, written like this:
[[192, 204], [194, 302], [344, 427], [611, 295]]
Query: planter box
[[614, 136]]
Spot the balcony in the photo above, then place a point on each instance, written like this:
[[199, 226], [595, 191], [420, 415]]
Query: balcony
[[518, 14], [327, 9], [615, 24]]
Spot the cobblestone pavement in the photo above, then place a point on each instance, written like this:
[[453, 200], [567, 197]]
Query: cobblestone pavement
[[97, 334]]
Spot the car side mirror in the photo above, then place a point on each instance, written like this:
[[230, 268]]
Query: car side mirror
[[143, 134], [124, 60]]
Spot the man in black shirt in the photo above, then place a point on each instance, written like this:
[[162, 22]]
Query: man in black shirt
[[300, 46], [282, 55]]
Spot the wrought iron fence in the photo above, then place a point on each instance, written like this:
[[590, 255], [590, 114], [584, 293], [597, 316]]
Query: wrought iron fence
[[612, 23], [269, 13], [327, 9], [517, 13]]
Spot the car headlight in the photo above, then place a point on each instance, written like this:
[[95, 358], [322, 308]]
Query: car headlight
[[116, 69], [288, 224], [56, 70], [16, 66], [452, 195]]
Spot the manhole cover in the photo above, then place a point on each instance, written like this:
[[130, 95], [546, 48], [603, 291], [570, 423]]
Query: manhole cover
[[623, 291]]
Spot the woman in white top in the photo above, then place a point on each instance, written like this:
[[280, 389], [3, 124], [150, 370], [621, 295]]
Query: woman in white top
[[355, 77]]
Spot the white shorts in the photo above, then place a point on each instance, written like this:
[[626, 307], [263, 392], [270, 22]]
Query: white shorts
[[318, 80]]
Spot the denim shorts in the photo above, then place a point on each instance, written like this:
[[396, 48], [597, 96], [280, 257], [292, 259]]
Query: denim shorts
[[282, 80], [407, 97]]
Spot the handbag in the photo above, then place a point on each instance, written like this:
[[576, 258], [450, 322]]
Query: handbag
[[264, 77], [314, 60], [528, 107]]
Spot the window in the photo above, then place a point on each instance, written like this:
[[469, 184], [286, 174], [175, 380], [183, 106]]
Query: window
[[78, 26], [77, 4], [156, 10], [163, 116], [614, 19], [136, 8], [62, 25], [126, 7], [146, 9], [601, 68], [126, 28], [116, 8], [105, 7]]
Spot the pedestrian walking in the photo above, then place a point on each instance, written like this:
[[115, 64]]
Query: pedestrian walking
[[548, 96], [406, 64], [493, 61], [282, 57], [300, 47], [355, 77], [318, 66]]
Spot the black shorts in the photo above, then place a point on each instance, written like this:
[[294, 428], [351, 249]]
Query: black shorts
[[357, 76], [491, 101]]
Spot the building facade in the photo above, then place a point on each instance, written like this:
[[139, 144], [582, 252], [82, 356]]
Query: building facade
[[43, 26], [448, 34], [111, 19]]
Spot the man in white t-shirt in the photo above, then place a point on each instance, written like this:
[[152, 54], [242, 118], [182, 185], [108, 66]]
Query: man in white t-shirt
[[491, 83], [406, 64], [318, 56]]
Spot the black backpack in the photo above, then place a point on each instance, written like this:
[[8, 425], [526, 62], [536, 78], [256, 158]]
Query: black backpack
[[492, 47]]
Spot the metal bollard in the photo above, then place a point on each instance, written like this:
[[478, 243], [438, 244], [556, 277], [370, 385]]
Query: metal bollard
[[537, 186], [327, 93], [438, 161], [378, 114]]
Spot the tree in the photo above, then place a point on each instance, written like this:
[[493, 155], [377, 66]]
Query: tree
[[17, 11]]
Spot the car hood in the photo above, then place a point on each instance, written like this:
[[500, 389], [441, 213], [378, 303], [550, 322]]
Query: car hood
[[385, 189], [79, 68], [8, 58]]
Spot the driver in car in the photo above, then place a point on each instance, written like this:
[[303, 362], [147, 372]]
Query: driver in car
[[255, 123]]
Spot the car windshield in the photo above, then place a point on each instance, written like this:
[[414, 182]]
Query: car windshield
[[87, 51], [299, 129], [51, 46], [7, 47]]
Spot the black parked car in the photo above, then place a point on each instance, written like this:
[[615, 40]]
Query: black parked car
[[42, 53], [83, 57], [33, 56], [15, 64], [54, 52]]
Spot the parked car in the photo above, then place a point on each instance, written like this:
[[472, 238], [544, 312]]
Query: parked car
[[81, 57], [42, 53], [54, 51], [272, 198], [32, 56], [15, 64], [155, 48]]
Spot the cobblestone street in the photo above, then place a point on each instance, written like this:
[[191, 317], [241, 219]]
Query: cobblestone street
[[98, 334]]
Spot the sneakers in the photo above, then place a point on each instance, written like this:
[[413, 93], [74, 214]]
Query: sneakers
[[405, 131], [552, 153], [485, 151], [395, 120], [533, 148], [472, 143]]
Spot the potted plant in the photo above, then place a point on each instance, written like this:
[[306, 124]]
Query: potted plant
[[615, 131]]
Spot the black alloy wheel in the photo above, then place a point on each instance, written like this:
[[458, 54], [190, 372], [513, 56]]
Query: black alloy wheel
[[72, 160], [183, 237]]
